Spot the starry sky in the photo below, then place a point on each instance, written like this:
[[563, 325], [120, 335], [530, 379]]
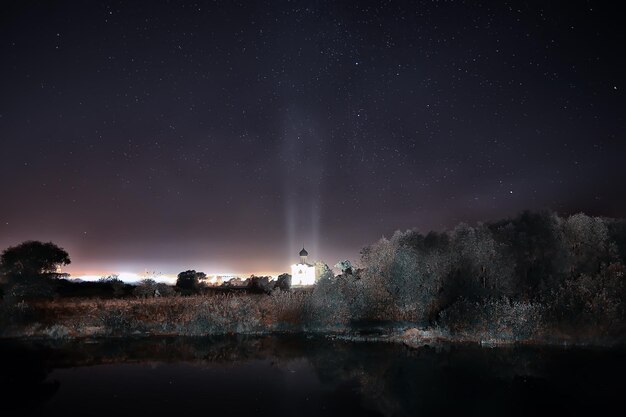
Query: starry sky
[[223, 136]]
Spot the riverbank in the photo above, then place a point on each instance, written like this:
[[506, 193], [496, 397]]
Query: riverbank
[[249, 314]]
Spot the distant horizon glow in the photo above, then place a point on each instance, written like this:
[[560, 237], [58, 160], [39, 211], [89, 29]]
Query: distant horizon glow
[[167, 272], [131, 277]]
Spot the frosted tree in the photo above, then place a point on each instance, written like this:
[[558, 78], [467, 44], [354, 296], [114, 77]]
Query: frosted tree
[[345, 266], [323, 271]]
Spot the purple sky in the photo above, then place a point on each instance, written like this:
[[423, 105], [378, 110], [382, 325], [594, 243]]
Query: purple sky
[[221, 137]]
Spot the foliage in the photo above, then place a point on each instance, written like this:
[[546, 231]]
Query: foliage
[[594, 303], [149, 288], [30, 288], [260, 284], [327, 305], [190, 282], [495, 319], [33, 258], [29, 270], [403, 278], [532, 277], [567, 273], [323, 271], [117, 285], [283, 282], [345, 266]]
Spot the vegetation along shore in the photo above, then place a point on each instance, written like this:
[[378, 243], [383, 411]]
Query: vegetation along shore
[[535, 278]]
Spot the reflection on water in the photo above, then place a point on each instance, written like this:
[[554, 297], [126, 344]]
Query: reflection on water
[[300, 376]]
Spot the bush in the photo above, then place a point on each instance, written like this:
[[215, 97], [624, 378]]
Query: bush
[[285, 310], [116, 285], [260, 284], [494, 319], [221, 314], [327, 305], [30, 288], [283, 282], [593, 304], [149, 288], [116, 322], [190, 282]]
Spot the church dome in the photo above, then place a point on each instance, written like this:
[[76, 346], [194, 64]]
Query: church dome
[[303, 252]]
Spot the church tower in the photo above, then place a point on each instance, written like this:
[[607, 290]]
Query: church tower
[[303, 255], [302, 273]]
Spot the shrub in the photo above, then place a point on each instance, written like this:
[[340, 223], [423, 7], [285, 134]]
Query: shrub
[[30, 288], [591, 303], [149, 288], [116, 321], [221, 314], [283, 282], [117, 285], [285, 309], [494, 319], [260, 284], [190, 282]]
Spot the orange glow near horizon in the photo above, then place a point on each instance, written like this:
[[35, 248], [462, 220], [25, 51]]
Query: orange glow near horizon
[[170, 278], [154, 270]]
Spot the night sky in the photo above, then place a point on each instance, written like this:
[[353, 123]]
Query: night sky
[[223, 136]]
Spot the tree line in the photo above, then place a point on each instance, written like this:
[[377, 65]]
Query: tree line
[[536, 272], [29, 271], [530, 276]]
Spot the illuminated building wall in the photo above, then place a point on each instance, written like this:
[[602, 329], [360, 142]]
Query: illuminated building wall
[[302, 273]]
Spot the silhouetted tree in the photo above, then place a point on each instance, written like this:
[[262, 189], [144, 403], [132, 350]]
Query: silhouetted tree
[[149, 288], [33, 258], [28, 266], [259, 284], [115, 283], [145, 288], [235, 282], [189, 282], [283, 282]]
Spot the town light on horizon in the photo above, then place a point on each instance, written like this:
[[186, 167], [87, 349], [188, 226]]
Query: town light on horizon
[[132, 278]]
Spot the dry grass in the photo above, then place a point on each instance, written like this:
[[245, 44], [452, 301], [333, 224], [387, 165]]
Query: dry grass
[[190, 316]]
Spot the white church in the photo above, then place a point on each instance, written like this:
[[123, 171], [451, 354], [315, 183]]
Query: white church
[[303, 273]]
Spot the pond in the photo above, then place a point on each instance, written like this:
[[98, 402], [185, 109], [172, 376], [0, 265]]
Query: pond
[[303, 376]]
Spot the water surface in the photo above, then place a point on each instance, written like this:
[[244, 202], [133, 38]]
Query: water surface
[[303, 376]]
